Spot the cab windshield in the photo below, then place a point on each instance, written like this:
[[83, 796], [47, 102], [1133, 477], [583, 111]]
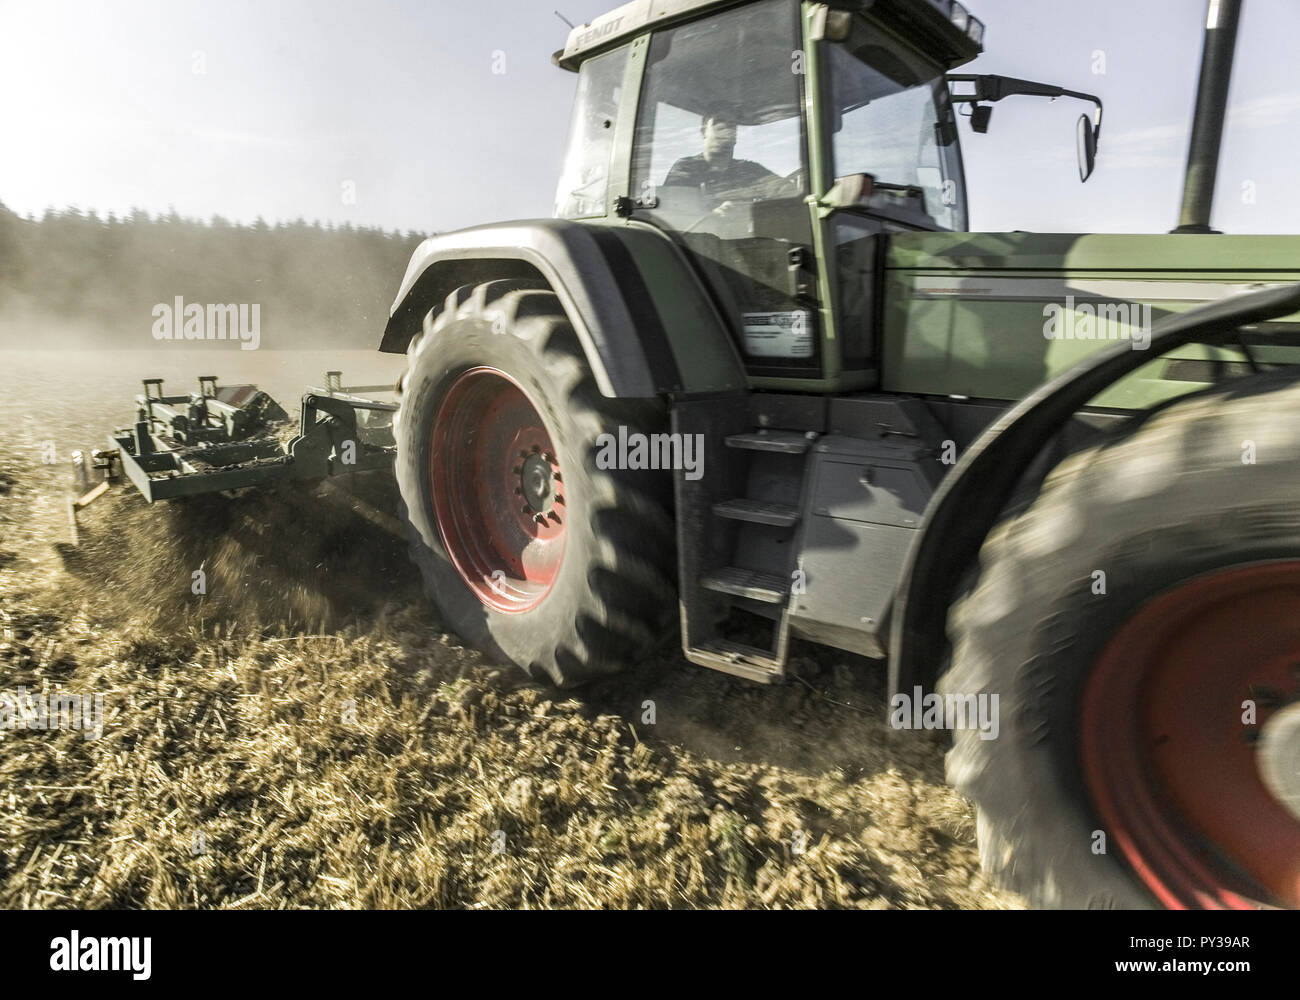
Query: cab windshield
[[891, 118]]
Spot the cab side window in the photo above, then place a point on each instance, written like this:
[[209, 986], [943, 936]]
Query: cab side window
[[718, 161]]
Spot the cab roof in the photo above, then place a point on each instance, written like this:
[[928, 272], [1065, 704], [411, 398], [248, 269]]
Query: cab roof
[[926, 22]]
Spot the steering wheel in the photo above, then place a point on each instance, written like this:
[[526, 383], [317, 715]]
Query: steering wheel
[[718, 210], [795, 179]]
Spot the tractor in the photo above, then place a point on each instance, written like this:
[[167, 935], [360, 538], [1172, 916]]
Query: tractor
[[757, 378]]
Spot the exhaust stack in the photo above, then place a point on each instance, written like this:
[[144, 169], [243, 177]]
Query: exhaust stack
[[1207, 124]]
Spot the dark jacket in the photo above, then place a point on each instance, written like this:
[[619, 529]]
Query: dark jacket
[[733, 179]]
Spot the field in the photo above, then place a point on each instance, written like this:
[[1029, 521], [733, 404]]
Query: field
[[304, 735]]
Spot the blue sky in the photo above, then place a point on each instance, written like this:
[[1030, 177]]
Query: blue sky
[[274, 107]]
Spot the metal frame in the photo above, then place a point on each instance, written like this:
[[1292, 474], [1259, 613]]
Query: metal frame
[[164, 469]]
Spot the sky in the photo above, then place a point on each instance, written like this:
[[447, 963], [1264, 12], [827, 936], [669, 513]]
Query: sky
[[436, 115]]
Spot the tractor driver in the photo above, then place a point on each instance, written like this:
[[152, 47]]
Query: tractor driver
[[717, 173]]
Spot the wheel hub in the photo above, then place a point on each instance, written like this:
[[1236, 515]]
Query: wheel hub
[[535, 483], [1277, 755]]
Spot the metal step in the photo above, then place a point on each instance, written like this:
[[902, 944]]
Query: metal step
[[738, 659], [779, 515], [787, 442], [766, 587]]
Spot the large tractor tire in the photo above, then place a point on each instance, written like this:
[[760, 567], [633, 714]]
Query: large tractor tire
[[1140, 623], [530, 552]]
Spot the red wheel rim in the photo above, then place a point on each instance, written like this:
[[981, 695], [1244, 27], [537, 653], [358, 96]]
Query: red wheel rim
[[1169, 754], [498, 492]]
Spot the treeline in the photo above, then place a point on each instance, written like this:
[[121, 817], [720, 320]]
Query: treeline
[[94, 281]]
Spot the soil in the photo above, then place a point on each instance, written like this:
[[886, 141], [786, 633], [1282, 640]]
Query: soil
[[285, 724]]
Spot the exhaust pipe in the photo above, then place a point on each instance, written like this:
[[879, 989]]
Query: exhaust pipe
[[1207, 124]]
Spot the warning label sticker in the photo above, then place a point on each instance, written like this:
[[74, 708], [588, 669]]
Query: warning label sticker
[[778, 334]]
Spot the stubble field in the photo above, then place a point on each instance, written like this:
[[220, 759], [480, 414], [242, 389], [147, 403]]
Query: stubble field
[[306, 735]]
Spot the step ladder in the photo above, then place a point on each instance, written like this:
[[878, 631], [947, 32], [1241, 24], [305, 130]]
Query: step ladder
[[738, 534]]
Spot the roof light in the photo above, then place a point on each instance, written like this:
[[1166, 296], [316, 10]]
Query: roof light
[[976, 31], [960, 16]]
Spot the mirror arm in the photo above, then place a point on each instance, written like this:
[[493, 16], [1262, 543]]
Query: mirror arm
[[989, 88], [1096, 114]]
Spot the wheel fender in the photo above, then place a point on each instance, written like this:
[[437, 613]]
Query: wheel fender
[[972, 497], [644, 320]]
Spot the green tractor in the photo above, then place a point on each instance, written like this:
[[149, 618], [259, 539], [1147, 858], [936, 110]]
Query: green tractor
[[756, 377]]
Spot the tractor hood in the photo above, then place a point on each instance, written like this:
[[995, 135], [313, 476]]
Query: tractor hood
[[994, 315]]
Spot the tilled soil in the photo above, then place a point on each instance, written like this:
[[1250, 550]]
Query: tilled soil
[[303, 734]]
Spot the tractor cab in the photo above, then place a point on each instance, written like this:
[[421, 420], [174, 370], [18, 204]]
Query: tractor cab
[[766, 138], [775, 142]]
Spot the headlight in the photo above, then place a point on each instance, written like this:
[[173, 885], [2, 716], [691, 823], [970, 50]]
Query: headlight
[[976, 31], [960, 17]]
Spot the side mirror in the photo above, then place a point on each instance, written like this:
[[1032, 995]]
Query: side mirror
[[982, 90], [1086, 140]]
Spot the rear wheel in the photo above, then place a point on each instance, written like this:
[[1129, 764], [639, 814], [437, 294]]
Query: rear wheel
[[1140, 623], [530, 551]]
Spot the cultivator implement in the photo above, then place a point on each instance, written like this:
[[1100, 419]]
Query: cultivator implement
[[236, 437]]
